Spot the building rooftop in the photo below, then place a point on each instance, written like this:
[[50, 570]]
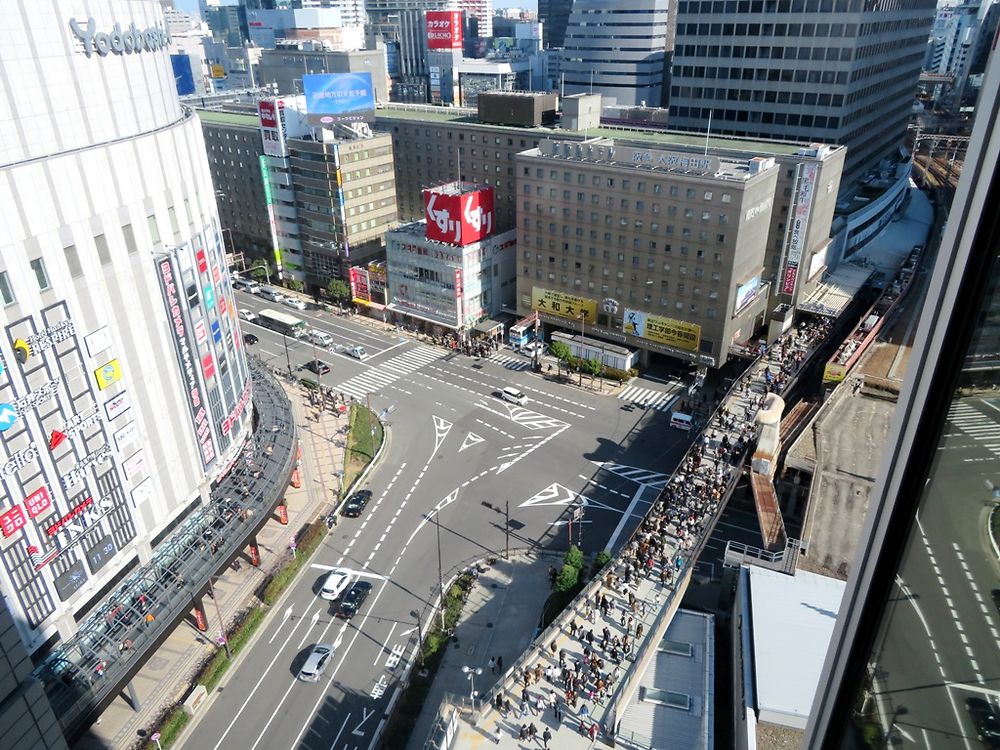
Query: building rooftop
[[792, 621], [215, 117], [674, 704], [659, 138]]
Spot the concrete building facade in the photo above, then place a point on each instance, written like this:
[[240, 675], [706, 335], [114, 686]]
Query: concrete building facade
[[832, 71]]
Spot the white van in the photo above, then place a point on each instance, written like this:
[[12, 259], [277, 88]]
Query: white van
[[272, 294], [512, 394], [681, 421], [247, 285], [320, 338], [358, 352]]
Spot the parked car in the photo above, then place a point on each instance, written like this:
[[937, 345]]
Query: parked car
[[249, 339], [353, 599], [987, 721], [248, 315], [335, 583], [356, 503], [316, 662], [358, 352], [295, 304], [317, 366]]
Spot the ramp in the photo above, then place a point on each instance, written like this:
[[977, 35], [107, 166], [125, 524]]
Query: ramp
[[772, 526]]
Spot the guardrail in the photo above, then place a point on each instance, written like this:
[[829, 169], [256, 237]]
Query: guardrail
[[87, 671]]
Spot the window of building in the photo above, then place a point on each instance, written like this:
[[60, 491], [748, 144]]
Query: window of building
[[727, 198], [6, 293], [38, 266]]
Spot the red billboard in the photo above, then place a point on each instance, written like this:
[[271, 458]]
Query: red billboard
[[268, 113], [444, 29], [459, 218]]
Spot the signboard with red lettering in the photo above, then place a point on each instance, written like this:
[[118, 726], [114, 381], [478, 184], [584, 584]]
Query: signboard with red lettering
[[444, 29], [12, 521], [459, 218]]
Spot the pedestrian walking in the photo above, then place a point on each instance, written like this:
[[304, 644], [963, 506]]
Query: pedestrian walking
[[497, 734], [493, 665], [638, 630], [546, 736]]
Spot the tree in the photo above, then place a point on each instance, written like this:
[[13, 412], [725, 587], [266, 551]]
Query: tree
[[574, 557], [593, 368], [338, 290], [560, 351], [260, 270], [295, 285], [566, 579]]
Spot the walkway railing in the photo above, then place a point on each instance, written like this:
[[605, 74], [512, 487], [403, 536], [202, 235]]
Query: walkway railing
[[87, 671]]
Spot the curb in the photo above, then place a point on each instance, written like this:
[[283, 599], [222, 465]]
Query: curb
[[360, 478], [989, 531]]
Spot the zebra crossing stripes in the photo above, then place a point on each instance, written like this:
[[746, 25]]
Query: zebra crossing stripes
[[977, 425], [636, 474], [649, 397], [388, 372], [511, 363]]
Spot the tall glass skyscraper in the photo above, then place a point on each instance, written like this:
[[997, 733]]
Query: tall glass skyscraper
[[914, 659]]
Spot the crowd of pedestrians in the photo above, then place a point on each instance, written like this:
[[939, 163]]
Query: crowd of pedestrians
[[577, 670]]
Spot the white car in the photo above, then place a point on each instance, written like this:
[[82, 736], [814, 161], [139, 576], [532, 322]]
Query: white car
[[317, 661], [247, 315], [297, 304], [335, 583], [358, 352], [514, 395], [320, 338]]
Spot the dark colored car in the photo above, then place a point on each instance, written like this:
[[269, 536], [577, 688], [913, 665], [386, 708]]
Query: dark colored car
[[249, 339], [353, 599], [318, 366], [986, 719], [356, 503]]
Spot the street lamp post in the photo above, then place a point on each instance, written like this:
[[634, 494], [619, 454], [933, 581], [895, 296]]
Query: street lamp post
[[472, 673], [437, 524], [583, 339], [218, 613]]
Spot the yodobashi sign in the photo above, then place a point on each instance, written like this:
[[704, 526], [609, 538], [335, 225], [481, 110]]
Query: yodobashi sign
[[444, 29], [339, 97], [797, 227], [458, 218], [117, 41]]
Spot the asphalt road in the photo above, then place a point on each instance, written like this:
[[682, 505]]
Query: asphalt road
[[456, 456], [944, 611]]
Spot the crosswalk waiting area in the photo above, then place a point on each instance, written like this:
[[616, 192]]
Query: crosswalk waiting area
[[976, 425], [388, 372], [649, 397]]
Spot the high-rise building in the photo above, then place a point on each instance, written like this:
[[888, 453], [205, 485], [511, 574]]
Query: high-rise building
[[618, 50], [554, 14], [123, 383], [914, 657], [841, 72], [228, 24], [284, 67]]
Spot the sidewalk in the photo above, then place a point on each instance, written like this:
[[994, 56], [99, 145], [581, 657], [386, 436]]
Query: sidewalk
[[500, 618], [167, 674]]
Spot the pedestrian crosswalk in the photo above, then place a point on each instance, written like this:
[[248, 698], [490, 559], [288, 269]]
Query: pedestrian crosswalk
[[511, 363], [388, 372], [648, 397], [977, 425]]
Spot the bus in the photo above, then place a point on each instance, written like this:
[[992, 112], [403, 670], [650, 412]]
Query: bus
[[281, 322]]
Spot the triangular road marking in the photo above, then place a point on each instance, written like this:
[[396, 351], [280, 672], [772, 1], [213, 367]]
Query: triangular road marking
[[556, 494], [470, 440]]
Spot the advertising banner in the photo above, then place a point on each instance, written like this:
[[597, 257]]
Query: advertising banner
[[444, 29], [675, 333], [797, 227], [183, 76], [458, 293], [186, 359], [359, 284], [272, 127], [459, 218], [339, 97], [218, 71], [745, 293], [563, 305]]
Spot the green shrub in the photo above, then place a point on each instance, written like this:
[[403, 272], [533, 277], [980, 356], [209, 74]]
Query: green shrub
[[602, 559], [872, 734], [613, 373], [633, 372], [306, 543], [574, 557], [312, 385], [566, 579], [171, 727]]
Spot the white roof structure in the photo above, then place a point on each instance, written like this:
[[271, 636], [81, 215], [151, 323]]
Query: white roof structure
[[792, 621]]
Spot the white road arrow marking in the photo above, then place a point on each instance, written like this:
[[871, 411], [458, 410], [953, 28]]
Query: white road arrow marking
[[556, 494], [407, 632], [441, 429], [470, 440], [284, 619], [366, 714], [312, 624]]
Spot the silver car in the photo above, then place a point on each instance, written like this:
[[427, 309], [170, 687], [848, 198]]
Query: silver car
[[317, 662]]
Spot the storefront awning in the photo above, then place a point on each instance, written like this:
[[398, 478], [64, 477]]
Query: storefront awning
[[426, 319], [488, 327]]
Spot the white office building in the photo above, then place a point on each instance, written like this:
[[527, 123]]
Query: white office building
[[124, 390]]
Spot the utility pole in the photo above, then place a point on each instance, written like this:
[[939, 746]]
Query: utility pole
[[288, 359], [218, 613], [583, 343], [506, 529], [437, 524]]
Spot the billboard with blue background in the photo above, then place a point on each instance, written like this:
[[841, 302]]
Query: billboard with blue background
[[339, 97], [183, 75]]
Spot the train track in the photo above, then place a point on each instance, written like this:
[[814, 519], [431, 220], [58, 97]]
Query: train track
[[937, 172]]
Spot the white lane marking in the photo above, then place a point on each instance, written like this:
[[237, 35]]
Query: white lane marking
[[387, 639], [625, 516]]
